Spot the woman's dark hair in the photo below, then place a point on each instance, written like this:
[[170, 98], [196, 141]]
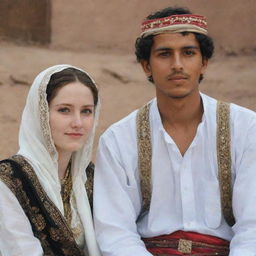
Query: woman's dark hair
[[143, 45], [66, 76]]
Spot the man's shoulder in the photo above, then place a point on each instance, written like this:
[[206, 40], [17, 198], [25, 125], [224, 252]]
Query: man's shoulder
[[124, 126], [236, 110], [126, 123], [242, 116]]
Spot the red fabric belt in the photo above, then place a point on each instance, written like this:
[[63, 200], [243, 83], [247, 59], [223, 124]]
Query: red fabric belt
[[187, 243]]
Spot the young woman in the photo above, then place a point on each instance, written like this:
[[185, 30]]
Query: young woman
[[44, 207]]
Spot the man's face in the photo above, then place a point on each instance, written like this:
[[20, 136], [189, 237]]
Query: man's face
[[175, 65]]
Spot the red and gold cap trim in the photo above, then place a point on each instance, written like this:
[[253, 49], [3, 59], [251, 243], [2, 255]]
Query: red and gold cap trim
[[175, 24]]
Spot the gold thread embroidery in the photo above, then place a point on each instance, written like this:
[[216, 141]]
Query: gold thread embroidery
[[224, 160], [223, 155], [144, 154], [62, 233], [44, 114], [185, 246]]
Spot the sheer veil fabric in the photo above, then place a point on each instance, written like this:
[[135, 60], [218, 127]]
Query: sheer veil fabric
[[36, 145]]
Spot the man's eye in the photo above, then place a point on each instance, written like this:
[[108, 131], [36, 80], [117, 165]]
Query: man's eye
[[164, 54], [63, 110], [189, 52]]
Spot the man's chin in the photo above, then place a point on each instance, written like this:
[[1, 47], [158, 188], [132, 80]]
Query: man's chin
[[178, 95]]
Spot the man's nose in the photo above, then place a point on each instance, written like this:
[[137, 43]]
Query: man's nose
[[177, 64]]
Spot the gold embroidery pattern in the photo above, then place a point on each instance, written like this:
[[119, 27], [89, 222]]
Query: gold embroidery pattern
[[38, 219], [44, 114], [66, 188], [185, 246], [89, 182], [59, 231], [144, 154], [223, 155], [224, 160], [6, 174]]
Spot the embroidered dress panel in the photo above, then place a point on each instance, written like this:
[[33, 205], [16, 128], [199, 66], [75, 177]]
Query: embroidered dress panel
[[48, 224]]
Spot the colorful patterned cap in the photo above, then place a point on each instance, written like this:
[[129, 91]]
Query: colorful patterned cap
[[175, 24]]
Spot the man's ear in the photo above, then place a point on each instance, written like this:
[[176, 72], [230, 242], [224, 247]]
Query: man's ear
[[204, 65], [146, 67]]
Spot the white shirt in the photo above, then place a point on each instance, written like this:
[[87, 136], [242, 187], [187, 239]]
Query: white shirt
[[185, 189]]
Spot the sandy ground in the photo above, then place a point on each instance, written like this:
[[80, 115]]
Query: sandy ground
[[123, 86]]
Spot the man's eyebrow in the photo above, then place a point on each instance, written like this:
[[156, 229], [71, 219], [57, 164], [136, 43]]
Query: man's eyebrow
[[163, 49], [160, 49], [190, 47]]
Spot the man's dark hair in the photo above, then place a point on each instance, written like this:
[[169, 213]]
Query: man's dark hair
[[66, 76], [143, 45]]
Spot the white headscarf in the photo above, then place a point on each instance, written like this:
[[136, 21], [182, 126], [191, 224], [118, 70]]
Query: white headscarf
[[36, 145]]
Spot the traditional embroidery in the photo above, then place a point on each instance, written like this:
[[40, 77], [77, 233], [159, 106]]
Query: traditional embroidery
[[89, 182], [224, 160], [223, 152], [185, 246], [144, 154], [44, 114], [46, 220], [175, 24], [66, 189]]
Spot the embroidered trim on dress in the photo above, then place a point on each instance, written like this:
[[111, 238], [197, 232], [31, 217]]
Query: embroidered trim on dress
[[47, 222], [44, 114]]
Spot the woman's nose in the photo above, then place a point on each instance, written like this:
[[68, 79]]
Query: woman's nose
[[76, 120]]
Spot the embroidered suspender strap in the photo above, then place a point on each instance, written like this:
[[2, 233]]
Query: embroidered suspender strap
[[144, 154], [224, 160], [223, 155]]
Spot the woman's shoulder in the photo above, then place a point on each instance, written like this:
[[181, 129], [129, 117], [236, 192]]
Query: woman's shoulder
[[10, 170]]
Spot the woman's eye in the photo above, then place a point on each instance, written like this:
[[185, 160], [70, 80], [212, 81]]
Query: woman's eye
[[63, 110], [87, 111]]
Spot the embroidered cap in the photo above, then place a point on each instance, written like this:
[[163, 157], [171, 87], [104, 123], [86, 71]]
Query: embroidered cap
[[175, 24]]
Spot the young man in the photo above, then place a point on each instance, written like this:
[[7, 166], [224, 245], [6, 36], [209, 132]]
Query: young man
[[168, 175]]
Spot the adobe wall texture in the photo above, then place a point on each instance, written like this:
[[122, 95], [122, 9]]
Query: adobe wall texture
[[102, 24], [26, 21], [115, 24]]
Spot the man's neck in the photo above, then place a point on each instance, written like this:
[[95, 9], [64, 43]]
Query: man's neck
[[180, 118], [181, 111]]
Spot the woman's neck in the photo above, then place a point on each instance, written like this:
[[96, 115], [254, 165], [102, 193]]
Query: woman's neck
[[63, 160]]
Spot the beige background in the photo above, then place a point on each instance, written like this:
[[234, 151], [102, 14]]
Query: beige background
[[115, 23]]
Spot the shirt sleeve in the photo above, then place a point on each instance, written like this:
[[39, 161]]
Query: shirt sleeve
[[16, 234], [115, 205], [244, 195]]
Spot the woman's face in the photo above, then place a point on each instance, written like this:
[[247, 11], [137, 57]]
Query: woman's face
[[71, 117]]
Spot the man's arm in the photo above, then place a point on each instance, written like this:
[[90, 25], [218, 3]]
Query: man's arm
[[244, 195], [116, 204]]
